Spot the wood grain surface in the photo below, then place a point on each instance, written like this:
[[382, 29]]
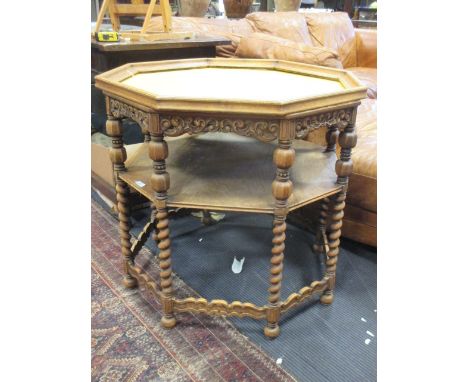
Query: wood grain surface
[[228, 172]]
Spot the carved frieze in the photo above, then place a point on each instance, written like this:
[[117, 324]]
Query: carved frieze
[[339, 118], [264, 130], [122, 110]]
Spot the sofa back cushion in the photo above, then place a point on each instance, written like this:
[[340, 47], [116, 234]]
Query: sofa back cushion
[[289, 25], [230, 29], [366, 47], [205, 26], [261, 45], [335, 31]]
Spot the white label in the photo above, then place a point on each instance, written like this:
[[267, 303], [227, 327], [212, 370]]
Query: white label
[[139, 183], [237, 265]]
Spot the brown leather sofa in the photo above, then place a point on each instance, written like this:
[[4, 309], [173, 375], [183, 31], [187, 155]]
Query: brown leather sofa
[[299, 36]]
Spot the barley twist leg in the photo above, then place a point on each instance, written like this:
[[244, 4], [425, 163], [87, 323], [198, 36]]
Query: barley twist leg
[[337, 214], [282, 189], [160, 183], [331, 137], [344, 168], [118, 156], [321, 227]]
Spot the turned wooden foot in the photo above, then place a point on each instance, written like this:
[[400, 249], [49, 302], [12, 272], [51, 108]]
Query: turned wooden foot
[[271, 331], [168, 322], [327, 298], [129, 282]]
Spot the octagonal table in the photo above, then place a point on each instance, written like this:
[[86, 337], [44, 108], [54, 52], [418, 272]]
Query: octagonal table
[[264, 167]]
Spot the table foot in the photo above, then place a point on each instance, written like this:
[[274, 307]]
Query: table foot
[[327, 298], [272, 331], [168, 322], [129, 282]]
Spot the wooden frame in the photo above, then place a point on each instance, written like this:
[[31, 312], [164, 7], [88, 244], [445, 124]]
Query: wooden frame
[[138, 8], [110, 83], [335, 112]]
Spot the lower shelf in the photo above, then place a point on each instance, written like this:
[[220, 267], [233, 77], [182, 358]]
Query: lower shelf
[[220, 171]]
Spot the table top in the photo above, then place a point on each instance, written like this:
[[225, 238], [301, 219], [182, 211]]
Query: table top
[[232, 84], [125, 45], [271, 87]]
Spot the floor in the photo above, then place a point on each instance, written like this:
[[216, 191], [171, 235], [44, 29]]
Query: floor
[[129, 344], [317, 343]]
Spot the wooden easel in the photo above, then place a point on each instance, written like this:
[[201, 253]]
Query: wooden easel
[[138, 8]]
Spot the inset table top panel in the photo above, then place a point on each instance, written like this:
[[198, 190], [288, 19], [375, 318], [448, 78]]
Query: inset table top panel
[[233, 86]]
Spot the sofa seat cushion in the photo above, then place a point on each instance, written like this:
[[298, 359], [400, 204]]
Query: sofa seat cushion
[[289, 25], [261, 45], [368, 76], [362, 190], [335, 31], [227, 28], [365, 153]]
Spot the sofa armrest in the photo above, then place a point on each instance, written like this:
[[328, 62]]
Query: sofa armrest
[[366, 47]]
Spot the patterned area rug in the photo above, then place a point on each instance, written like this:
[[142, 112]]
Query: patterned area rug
[[128, 343]]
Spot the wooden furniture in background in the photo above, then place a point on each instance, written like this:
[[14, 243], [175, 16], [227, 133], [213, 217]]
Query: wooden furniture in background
[[109, 55], [139, 8], [365, 17], [284, 102]]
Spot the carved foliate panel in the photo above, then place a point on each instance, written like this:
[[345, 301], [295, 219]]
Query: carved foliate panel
[[264, 130], [338, 118], [122, 110]]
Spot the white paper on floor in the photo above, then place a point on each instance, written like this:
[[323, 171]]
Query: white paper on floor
[[237, 265]]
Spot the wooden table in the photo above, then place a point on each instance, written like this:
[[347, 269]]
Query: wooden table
[[269, 106], [109, 55]]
